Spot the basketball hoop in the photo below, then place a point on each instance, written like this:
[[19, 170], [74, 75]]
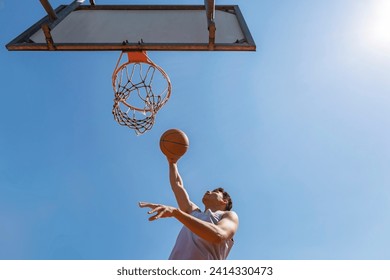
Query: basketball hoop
[[141, 89]]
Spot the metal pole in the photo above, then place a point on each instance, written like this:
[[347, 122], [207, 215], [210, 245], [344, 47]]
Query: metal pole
[[49, 9]]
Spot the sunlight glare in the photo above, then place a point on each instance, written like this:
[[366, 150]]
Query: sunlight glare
[[377, 29]]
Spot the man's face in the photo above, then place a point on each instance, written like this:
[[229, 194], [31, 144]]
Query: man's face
[[212, 197]]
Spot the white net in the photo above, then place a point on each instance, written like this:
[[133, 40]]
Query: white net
[[141, 89]]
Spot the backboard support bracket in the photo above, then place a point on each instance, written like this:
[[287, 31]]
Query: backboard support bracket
[[63, 13], [49, 10], [48, 37], [55, 18], [210, 13]]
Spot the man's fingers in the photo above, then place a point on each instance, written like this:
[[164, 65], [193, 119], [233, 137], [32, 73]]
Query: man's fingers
[[151, 219], [155, 209], [158, 215], [161, 211], [147, 204], [142, 204]]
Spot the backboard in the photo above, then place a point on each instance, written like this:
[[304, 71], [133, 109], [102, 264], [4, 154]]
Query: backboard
[[76, 27]]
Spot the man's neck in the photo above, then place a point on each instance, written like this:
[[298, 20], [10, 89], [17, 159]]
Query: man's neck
[[213, 209]]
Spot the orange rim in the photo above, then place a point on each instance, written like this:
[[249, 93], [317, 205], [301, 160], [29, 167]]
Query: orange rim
[[141, 57]]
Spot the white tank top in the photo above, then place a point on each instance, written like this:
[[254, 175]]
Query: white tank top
[[190, 246]]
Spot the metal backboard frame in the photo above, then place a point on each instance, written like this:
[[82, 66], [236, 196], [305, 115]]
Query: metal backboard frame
[[77, 27]]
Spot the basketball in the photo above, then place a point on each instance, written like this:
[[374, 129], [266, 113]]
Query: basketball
[[174, 143]]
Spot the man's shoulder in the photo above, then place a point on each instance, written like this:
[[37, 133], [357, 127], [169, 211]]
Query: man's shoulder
[[230, 215]]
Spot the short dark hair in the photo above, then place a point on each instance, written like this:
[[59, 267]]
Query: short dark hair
[[226, 196]]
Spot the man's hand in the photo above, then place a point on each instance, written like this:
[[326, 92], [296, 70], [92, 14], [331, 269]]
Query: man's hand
[[162, 211], [173, 159]]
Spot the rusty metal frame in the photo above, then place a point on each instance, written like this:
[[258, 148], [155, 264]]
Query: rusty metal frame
[[24, 43]]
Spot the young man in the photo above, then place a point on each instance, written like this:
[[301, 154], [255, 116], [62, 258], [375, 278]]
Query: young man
[[206, 235]]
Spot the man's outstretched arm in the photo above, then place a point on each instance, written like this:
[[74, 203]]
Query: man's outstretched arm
[[214, 233], [181, 195]]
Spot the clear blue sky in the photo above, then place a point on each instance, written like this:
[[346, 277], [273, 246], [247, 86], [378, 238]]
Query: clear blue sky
[[297, 132]]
